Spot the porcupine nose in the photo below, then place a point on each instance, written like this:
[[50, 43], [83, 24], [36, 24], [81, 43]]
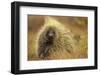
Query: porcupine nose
[[50, 33]]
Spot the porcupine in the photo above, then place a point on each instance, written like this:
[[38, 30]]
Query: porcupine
[[55, 41]]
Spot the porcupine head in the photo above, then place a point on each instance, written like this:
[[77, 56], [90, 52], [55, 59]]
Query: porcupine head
[[54, 40]]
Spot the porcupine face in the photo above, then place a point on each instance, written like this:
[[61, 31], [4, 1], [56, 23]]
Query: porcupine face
[[46, 41], [50, 36]]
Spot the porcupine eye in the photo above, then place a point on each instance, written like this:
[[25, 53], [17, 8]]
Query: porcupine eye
[[50, 35]]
